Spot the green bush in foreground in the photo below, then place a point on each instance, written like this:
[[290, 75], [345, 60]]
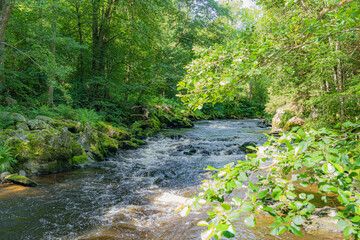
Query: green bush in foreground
[[329, 159], [6, 158]]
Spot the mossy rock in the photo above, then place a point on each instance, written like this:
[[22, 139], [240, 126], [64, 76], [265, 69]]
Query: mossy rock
[[37, 124], [89, 140], [156, 123], [119, 133], [293, 122], [78, 160], [134, 143], [72, 126], [108, 144], [181, 122], [18, 179], [41, 151]]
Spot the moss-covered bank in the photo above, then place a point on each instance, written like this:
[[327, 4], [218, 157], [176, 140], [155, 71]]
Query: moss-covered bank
[[45, 145]]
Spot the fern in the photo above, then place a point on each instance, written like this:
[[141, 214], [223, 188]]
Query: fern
[[85, 115], [6, 158]]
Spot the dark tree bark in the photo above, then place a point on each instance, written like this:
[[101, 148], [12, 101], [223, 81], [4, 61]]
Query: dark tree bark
[[6, 7]]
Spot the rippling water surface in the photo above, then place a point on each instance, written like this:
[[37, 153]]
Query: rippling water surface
[[133, 195]]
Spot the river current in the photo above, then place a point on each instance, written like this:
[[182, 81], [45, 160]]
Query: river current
[[133, 194]]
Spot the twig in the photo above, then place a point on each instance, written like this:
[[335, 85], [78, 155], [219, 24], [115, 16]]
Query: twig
[[22, 53]]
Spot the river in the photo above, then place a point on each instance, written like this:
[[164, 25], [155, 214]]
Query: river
[[133, 194]]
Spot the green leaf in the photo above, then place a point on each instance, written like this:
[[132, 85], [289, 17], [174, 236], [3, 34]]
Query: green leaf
[[290, 195], [298, 220], [262, 194], [202, 223], [343, 198], [208, 234], [342, 224], [226, 206], [185, 211], [301, 133], [328, 168], [296, 231], [247, 207], [228, 234], [243, 177], [250, 221], [348, 231]]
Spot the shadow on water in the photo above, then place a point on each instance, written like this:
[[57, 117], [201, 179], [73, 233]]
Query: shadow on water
[[133, 195]]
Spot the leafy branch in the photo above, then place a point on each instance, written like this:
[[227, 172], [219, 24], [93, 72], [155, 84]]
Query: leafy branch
[[328, 159]]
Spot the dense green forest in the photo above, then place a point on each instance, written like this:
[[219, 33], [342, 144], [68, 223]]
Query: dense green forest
[[114, 72]]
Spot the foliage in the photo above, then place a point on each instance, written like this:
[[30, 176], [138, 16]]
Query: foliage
[[286, 116], [85, 115], [6, 159], [6, 120], [327, 159], [298, 53]]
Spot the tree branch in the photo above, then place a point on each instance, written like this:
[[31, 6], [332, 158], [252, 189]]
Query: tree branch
[[340, 4]]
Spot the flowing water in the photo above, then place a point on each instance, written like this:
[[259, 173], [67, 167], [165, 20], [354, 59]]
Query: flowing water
[[133, 195]]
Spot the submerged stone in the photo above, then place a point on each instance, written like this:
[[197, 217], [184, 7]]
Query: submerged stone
[[18, 179]]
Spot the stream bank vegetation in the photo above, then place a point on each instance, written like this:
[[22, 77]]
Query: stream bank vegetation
[[305, 54], [80, 79]]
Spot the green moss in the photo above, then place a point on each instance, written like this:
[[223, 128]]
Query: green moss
[[18, 179], [77, 160], [156, 123], [108, 144], [119, 133], [132, 144]]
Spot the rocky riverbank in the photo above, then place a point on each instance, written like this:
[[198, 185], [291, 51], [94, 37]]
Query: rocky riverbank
[[45, 145]]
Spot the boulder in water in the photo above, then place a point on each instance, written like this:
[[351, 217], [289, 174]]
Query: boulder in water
[[18, 179], [263, 123]]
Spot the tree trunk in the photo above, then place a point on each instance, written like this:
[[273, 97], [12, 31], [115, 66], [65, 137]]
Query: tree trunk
[[52, 76], [81, 41], [6, 8], [251, 90]]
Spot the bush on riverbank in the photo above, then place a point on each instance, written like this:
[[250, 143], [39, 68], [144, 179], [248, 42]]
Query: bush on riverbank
[[281, 171]]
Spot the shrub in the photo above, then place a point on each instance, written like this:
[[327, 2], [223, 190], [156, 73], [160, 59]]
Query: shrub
[[328, 159], [85, 115], [6, 120], [6, 158]]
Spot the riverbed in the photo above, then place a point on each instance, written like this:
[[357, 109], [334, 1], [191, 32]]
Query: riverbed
[[133, 194]]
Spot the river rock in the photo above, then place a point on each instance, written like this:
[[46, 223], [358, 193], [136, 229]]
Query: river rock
[[276, 121], [263, 123], [42, 151], [3, 175], [119, 133], [22, 125], [22, 173], [293, 122], [89, 140], [36, 124], [17, 179], [18, 117], [322, 218]]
